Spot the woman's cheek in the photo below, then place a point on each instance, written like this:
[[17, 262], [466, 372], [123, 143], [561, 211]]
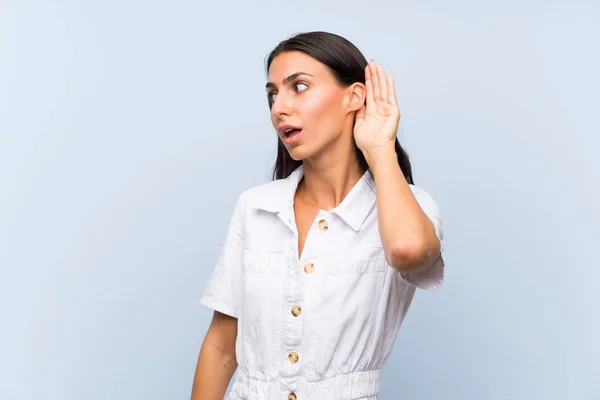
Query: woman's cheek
[[313, 109]]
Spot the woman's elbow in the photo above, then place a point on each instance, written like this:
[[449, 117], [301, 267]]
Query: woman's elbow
[[409, 257]]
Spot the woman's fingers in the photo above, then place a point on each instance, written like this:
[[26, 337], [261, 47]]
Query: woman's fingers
[[380, 89], [383, 92], [391, 91], [369, 84], [375, 81]]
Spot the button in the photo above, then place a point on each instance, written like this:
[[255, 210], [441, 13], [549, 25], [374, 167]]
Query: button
[[293, 357], [309, 268], [292, 396], [296, 310], [323, 225]]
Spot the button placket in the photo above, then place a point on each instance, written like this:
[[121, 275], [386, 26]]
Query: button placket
[[293, 324]]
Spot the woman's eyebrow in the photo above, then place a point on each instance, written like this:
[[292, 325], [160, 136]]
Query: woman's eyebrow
[[286, 80]]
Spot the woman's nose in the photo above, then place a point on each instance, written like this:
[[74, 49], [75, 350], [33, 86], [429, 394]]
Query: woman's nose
[[281, 105]]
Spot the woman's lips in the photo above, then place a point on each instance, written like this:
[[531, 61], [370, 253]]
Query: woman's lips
[[291, 138]]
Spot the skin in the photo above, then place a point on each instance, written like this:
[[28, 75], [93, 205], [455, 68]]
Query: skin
[[326, 112], [217, 360]]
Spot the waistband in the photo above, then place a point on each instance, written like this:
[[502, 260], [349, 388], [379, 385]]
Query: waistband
[[353, 386]]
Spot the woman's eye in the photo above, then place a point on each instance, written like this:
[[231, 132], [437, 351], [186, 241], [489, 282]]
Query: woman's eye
[[299, 87], [301, 84]]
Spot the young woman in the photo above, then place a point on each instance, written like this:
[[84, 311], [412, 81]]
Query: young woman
[[320, 265]]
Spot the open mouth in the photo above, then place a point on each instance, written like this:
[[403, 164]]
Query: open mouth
[[291, 133]]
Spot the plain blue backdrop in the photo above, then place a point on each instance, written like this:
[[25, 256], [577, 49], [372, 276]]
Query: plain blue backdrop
[[129, 128]]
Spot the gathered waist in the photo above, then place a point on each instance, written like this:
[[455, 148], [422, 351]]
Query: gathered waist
[[362, 385]]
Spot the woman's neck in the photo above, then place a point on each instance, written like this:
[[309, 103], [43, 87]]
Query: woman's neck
[[326, 184]]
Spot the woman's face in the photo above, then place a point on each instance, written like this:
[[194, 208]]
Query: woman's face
[[304, 94]]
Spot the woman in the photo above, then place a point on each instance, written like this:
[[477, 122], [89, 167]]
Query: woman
[[319, 267]]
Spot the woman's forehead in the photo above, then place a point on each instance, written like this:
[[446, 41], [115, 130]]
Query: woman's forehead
[[288, 63]]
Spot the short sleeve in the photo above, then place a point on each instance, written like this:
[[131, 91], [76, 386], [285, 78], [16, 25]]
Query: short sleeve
[[223, 290], [432, 276]]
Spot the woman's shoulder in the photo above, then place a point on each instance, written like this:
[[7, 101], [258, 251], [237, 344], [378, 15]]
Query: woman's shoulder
[[268, 196], [425, 200], [418, 191]]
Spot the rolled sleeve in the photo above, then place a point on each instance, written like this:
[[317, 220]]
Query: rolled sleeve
[[223, 290], [431, 277]]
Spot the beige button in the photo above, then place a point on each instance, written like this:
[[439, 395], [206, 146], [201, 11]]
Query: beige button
[[296, 310], [292, 396], [293, 357], [323, 225], [309, 268]]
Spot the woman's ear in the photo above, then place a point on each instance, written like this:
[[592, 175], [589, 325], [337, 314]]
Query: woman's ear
[[357, 95]]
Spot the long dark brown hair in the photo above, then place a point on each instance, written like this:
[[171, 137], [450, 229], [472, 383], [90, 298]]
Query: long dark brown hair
[[348, 65]]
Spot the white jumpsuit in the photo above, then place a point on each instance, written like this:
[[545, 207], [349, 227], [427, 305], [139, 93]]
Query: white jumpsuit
[[318, 327]]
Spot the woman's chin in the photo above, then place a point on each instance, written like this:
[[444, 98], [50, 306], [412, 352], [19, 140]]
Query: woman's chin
[[298, 153]]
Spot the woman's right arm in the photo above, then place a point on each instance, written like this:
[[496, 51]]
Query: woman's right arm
[[217, 361]]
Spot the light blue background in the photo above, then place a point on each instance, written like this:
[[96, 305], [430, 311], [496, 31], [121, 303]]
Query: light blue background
[[128, 128]]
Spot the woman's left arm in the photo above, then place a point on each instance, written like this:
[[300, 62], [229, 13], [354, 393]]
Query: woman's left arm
[[408, 235]]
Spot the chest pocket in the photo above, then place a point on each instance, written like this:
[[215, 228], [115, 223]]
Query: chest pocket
[[262, 295], [258, 261], [346, 303], [353, 276], [365, 259]]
